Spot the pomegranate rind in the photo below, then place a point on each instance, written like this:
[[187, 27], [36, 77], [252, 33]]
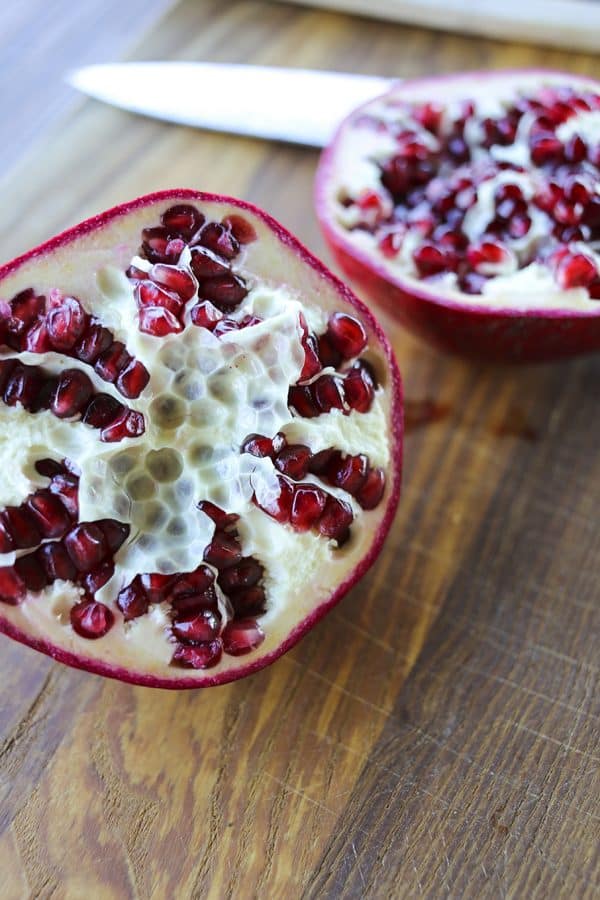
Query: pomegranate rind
[[239, 667], [468, 328]]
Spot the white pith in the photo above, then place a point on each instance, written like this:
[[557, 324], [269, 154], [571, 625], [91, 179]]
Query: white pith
[[353, 168], [219, 375]]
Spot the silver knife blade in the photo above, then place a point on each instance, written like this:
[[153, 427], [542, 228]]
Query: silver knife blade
[[300, 106]]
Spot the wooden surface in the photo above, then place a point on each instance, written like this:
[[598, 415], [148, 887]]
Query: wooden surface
[[437, 734]]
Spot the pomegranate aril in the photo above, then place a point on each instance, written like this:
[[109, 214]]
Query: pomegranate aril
[[7, 367], [322, 460], [196, 583], [249, 602], [23, 386], [336, 520], [219, 239], [226, 325], [86, 545], [185, 604], [154, 244], [226, 291], [91, 619], [37, 339], [206, 264], [328, 393], [347, 334], [49, 468], [95, 340], [223, 551], [12, 587], [301, 399], [66, 321], [293, 460], [576, 270], [97, 578], [31, 571], [132, 380], [7, 544], [312, 362], [221, 518], [546, 148], [128, 424], [72, 393], [66, 487], [110, 363], [280, 507], [370, 493], [245, 574], [22, 526], [241, 229], [50, 514], [195, 628], [156, 586], [158, 321], [25, 308], [352, 473], [200, 656], [182, 219], [258, 445], [175, 279], [101, 410], [206, 315], [56, 562], [328, 353], [359, 387], [150, 296], [133, 600], [430, 259], [115, 533], [307, 506], [242, 636]]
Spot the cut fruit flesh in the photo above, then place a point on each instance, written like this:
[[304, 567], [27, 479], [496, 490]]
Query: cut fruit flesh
[[469, 207], [147, 438]]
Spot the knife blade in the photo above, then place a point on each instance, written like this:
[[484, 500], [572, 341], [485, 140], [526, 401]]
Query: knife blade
[[299, 106]]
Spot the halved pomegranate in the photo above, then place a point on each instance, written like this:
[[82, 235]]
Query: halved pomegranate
[[200, 441], [468, 206]]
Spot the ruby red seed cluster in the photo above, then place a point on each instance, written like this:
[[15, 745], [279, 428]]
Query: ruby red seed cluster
[[429, 192]]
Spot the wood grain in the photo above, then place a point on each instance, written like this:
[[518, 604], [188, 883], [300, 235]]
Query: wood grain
[[437, 734]]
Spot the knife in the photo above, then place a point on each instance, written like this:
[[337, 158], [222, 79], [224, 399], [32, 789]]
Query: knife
[[300, 106]]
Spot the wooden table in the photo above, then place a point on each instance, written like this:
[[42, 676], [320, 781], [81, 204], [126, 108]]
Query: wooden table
[[437, 734]]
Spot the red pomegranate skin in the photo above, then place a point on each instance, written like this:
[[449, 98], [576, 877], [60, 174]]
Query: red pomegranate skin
[[394, 475], [478, 332]]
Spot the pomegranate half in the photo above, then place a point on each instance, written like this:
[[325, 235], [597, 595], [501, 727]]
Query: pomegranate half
[[200, 441], [468, 206]]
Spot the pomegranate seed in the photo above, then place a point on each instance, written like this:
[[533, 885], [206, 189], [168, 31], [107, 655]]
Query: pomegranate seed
[[23, 386], [359, 387], [159, 322], [175, 279], [110, 363], [258, 445], [223, 551], [37, 339], [226, 325], [66, 321], [280, 507], [7, 544], [352, 473], [328, 392], [182, 219], [56, 563], [312, 363], [115, 533], [25, 308], [336, 520], [22, 526], [328, 353], [201, 656], [72, 393], [546, 149], [12, 587], [96, 579], [371, 491], [205, 264], [519, 225], [7, 367], [136, 274], [322, 460], [300, 398], [132, 380], [575, 149], [430, 116], [133, 600], [49, 513], [221, 519], [101, 410], [195, 603], [31, 572], [293, 460], [149, 296], [91, 619], [129, 424], [156, 585], [576, 270], [49, 467], [241, 229], [430, 259], [219, 239], [347, 335], [226, 291], [196, 628], [205, 315], [487, 253], [196, 583], [250, 602], [43, 400], [245, 574], [307, 506], [94, 341], [242, 636], [66, 487], [154, 244], [86, 545], [591, 213]]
